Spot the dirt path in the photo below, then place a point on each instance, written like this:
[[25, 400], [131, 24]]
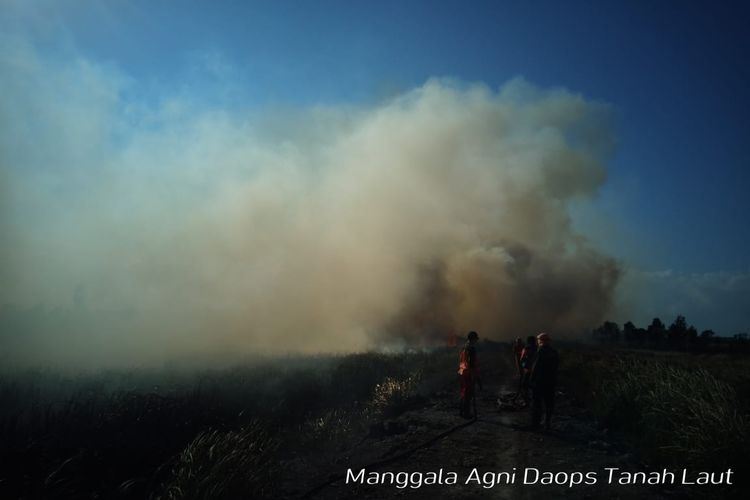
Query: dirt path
[[494, 443]]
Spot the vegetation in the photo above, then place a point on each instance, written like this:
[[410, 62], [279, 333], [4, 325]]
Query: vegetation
[[177, 434], [678, 410], [227, 464], [678, 336]]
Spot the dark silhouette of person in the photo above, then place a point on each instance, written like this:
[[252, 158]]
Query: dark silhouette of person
[[543, 380], [528, 356], [468, 372], [517, 353]]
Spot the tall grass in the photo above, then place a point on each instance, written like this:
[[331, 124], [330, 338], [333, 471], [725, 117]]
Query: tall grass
[[123, 434], [677, 415], [393, 395], [231, 464]]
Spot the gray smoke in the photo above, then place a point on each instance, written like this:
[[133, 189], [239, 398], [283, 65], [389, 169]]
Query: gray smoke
[[136, 231]]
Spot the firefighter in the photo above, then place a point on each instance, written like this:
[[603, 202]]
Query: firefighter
[[528, 356], [468, 372], [543, 380], [517, 352]]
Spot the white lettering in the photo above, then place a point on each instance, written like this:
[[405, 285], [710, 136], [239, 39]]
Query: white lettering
[[358, 478]]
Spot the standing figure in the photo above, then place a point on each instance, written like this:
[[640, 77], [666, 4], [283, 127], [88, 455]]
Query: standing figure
[[517, 353], [528, 356], [468, 372], [543, 381]]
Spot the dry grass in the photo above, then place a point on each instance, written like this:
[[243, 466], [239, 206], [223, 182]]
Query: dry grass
[[677, 410], [231, 464], [128, 434], [393, 395]]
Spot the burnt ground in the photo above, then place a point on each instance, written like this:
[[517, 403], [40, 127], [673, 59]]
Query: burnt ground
[[495, 442]]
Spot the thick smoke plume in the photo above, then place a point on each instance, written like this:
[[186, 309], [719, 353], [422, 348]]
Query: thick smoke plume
[[136, 231]]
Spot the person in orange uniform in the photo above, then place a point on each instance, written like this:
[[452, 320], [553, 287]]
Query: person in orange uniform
[[528, 356], [468, 372]]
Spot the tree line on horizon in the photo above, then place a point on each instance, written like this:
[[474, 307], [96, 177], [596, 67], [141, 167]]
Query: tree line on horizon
[[678, 336]]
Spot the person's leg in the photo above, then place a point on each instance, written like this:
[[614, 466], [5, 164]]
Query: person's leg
[[465, 404], [525, 388], [472, 400], [536, 409], [549, 406], [461, 395], [519, 386]]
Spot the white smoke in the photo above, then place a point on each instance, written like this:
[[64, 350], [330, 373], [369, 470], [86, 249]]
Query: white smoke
[[180, 227]]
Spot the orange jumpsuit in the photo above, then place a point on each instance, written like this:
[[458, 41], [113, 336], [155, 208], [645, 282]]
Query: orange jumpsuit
[[468, 372]]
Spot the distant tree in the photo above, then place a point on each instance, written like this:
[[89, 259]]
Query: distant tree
[[641, 335], [707, 334], [704, 340], [740, 342], [677, 332], [656, 323], [629, 331], [656, 331], [609, 332], [612, 329], [691, 340], [692, 334]]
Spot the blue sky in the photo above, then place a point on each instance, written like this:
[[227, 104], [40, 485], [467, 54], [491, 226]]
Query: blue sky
[[674, 71], [676, 74]]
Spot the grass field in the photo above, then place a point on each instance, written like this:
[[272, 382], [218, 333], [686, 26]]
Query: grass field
[[183, 434], [674, 408], [217, 433]]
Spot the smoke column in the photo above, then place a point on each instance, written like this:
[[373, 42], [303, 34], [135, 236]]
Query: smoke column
[[135, 231]]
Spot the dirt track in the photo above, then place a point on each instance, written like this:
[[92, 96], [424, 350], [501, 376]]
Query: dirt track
[[494, 443]]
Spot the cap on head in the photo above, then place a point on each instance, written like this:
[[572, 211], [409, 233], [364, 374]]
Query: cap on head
[[473, 336], [543, 338]]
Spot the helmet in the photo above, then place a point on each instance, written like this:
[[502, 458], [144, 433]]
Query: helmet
[[543, 337], [473, 335]]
